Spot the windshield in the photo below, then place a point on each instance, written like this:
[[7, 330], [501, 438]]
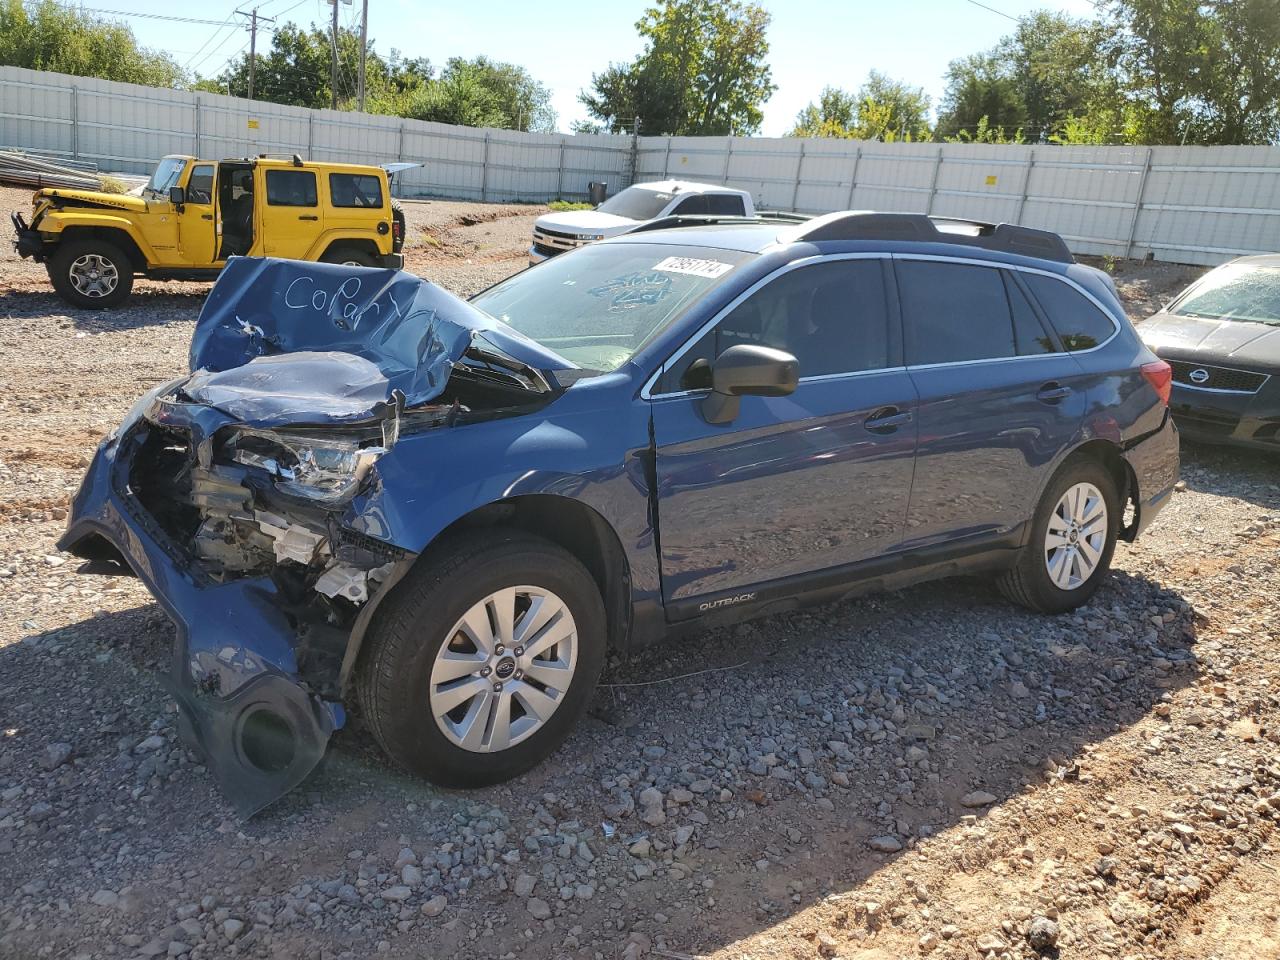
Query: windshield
[[636, 203], [1235, 292], [166, 176], [598, 305]]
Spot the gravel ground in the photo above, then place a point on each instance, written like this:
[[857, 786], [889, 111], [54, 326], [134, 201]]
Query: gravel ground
[[929, 772]]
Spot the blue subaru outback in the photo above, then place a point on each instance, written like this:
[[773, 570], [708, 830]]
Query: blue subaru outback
[[450, 511]]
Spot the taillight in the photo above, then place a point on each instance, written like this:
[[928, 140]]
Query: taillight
[[1160, 375], [397, 232]]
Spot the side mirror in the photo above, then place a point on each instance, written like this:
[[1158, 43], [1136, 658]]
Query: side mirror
[[748, 370], [177, 196]]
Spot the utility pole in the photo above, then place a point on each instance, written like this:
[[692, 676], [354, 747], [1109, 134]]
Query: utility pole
[[253, 42], [364, 49], [333, 70]]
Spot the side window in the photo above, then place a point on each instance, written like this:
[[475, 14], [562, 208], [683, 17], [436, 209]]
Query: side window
[[200, 184], [291, 188], [725, 205], [832, 316], [1029, 334], [691, 206], [1079, 322], [954, 312], [355, 190]]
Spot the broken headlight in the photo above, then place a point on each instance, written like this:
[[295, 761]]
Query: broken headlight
[[327, 469]]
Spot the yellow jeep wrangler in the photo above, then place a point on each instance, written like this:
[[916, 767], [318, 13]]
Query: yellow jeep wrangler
[[194, 214]]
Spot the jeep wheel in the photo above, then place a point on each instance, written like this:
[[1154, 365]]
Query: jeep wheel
[[348, 256], [1073, 536], [91, 273], [480, 663]]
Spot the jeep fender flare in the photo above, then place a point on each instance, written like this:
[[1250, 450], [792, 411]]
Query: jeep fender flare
[[76, 225]]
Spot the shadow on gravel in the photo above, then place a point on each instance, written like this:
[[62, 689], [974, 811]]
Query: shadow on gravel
[[145, 307], [1251, 475], [842, 735]]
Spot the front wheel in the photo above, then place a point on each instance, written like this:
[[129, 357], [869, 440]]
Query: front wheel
[[480, 663], [1073, 537], [91, 273]]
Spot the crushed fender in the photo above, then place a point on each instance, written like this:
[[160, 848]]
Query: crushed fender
[[232, 492]]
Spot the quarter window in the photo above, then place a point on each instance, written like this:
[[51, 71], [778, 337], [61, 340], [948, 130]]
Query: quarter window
[[355, 190], [291, 188], [956, 312], [1079, 322], [833, 317]]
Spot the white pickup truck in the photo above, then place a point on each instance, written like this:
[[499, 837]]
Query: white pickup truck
[[557, 232]]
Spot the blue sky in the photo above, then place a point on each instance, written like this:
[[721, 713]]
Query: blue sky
[[812, 42]]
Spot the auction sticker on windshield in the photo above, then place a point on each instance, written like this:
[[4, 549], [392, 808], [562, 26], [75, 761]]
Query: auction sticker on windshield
[[699, 268]]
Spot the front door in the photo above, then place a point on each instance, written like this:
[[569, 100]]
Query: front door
[[999, 399], [794, 485], [197, 230], [290, 215]]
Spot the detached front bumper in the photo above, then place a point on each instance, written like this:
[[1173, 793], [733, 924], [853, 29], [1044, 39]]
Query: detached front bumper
[[235, 671], [27, 242]]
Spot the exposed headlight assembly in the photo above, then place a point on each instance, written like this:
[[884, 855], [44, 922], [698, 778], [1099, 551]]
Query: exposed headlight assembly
[[326, 469]]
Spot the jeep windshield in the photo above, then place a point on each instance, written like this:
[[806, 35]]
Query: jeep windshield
[[166, 176], [636, 203], [598, 305]]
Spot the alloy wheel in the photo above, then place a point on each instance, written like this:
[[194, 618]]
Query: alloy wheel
[[1077, 536], [93, 275], [504, 669]]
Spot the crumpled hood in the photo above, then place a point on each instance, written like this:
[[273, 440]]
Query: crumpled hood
[[585, 222], [286, 341], [1235, 340]]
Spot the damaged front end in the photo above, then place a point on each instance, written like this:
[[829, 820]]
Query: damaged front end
[[231, 493]]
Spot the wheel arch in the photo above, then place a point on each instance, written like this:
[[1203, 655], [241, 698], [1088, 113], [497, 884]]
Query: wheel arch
[[118, 235], [361, 242], [569, 523], [1109, 454]]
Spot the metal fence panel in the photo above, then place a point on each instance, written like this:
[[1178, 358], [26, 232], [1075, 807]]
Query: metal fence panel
[[1184, 204]]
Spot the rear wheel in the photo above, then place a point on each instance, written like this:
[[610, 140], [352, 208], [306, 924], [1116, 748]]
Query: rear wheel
[[349, 256], [1072, 540], [91, 273], [480, 663]]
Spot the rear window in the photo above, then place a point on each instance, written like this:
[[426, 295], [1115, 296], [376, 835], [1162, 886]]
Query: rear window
[[291, 188], [954, 312], [355, 190], [1079, 322]]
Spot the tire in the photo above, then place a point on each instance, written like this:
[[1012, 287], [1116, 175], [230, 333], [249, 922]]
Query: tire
[[397, 217], [95, 274], [408, 639], [1030, 583], [351, 256]]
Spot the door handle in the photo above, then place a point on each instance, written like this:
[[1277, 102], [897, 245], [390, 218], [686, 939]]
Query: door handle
[[1052, 392], [306, 216], [887, 420], [206, 216]]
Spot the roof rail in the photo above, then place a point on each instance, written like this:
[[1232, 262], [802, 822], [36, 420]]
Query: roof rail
[[869, 225], [703, 220]]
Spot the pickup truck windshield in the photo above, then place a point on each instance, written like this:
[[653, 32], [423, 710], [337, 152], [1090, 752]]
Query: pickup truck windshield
[[166, 176], [636, 204], [1240, 292], [598, 305]]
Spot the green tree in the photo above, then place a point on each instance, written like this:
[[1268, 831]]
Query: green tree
[[49, 36], [1054, 64], [979, 92], [882, 109], [702, 72]]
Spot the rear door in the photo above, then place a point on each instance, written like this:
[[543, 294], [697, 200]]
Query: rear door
[[1000, 400], [289, 211], [795, 485]]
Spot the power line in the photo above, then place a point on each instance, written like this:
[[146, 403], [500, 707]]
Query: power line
[[999, 13], [149, 16]]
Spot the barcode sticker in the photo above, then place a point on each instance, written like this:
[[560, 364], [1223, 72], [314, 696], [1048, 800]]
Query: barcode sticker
[[698, 268]]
